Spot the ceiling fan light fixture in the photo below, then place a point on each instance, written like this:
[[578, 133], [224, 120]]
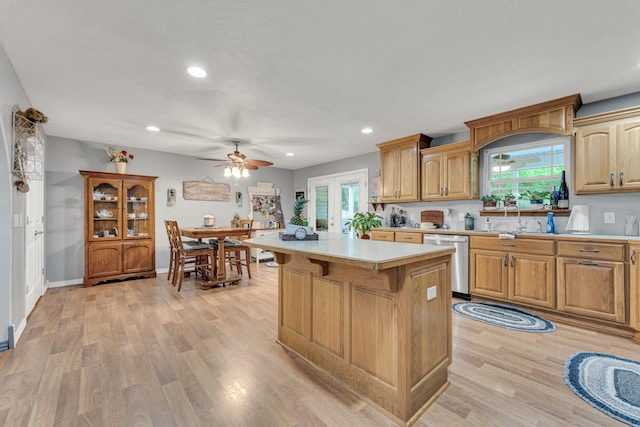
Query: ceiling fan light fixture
[[235, 171], [227, 171], [502, 168], [245, 172]]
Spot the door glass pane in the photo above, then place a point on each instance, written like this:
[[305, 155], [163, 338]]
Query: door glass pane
[[349, 204], [322, 208]]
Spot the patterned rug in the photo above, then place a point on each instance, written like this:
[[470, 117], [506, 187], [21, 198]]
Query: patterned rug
[[608, 383], [504, 316]]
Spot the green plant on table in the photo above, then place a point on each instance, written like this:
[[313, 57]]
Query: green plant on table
[[363, 222]]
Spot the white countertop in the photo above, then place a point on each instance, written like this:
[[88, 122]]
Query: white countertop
[[336, 247], [492, 233]]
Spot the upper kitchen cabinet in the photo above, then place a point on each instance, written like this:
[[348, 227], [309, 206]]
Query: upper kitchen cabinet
[[449, 172], [554, 116], [607, 152], [400, 168]]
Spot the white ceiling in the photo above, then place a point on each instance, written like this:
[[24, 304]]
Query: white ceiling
[[305, 77]]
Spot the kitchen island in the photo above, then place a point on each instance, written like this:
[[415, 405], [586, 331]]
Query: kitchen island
[[374, 316]]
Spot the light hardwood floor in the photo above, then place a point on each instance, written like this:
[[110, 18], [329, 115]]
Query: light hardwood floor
[[138, 353]]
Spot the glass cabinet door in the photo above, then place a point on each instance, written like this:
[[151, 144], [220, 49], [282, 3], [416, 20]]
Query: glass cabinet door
[[137, 209], [105, 203]]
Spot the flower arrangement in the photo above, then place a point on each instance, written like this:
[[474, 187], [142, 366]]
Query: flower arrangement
[[118, 156]]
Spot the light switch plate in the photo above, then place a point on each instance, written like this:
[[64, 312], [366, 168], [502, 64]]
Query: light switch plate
[[431, 293], [609, 217]]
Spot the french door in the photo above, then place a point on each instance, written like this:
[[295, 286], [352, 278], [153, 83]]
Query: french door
[[333, 199]]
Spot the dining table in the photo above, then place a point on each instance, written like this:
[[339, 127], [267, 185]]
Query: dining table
[[220, 233]]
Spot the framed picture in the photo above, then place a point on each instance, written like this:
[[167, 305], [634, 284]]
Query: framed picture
[[300, 194]]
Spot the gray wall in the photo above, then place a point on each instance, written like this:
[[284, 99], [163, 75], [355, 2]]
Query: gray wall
[[12, 268], [64, 204], [621, 204]]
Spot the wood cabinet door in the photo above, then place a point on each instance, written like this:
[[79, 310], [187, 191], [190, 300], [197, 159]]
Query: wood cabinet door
[[634, 289], [488, 273], [432, 177], [138, 256], [595, 157], [532, 279], [388, 188], [591, 288], [628, 153], [104, 259], [407, 172], [457, 175]]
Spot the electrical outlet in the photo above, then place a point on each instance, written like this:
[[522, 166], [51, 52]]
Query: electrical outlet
[[431, 293], [461, 217], [609, 217]]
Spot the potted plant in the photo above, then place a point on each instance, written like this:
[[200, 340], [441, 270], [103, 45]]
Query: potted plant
[[363, 222], [509, 200], [490, 202], [536, 198]]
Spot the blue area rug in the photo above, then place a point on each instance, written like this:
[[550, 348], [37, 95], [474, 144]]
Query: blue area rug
[[608, 383], [504, 316]]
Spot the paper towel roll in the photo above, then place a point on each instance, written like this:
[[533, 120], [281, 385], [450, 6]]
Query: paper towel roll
[[579, 220]]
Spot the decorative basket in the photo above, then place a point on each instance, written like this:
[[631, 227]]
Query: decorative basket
[[288, 237]]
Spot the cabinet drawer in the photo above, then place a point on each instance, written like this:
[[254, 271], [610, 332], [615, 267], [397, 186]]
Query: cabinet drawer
[[387, 236], [531, 246], [604, 251], [405, 237]]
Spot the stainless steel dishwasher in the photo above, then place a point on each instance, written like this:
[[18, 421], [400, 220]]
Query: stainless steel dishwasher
[[459, 261]]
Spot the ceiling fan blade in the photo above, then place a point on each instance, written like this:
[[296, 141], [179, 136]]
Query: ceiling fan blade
[[211, 160], [252, 167], [258, 162]]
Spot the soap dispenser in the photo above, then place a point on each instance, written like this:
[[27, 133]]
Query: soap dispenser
[[468, 222], [551, 227], [487, 224]]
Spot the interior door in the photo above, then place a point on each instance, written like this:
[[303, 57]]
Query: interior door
[[333, 199], [34, 244]]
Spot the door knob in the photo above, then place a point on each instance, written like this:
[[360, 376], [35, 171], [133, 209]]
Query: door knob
[[38, 232]]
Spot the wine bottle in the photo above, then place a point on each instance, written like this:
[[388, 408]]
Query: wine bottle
[[554, 198], [563, 196]]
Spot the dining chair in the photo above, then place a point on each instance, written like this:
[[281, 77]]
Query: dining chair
[[200, 254], [234, 248], [172, 250]]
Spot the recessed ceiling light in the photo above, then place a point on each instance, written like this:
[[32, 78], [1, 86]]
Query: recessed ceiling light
[[366, 130], [197, 72], [153, 128], [290, 154]]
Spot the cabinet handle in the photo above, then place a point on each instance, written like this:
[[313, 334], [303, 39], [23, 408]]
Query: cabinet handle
[[633, 257], [505, 259], [446, 191], [441, 192], [587, 262], [611, 184], [513, 260], [513, 245], [590, 250], [621, 175]]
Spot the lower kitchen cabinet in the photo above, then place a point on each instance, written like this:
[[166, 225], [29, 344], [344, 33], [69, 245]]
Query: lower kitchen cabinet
[[590, 279], [522, 277], [634, 289], [397, 236]]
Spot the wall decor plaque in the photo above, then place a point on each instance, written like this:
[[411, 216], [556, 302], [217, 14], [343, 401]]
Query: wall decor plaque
[[204, 190]]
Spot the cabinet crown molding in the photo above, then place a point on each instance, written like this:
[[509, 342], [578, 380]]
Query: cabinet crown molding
[[555, 116], [608, 116]]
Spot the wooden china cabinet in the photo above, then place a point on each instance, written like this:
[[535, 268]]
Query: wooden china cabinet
[[119, 226]]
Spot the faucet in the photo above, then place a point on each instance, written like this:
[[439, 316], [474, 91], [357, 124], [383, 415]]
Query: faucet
[[520, 228], [539, 226]]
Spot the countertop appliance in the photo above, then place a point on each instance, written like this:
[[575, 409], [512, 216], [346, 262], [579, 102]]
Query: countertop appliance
[[459, 261]]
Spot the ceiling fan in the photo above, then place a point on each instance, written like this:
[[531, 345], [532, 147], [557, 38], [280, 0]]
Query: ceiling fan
[[503, 162], [237, 164]]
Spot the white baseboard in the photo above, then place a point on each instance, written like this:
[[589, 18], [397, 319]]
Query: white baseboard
[[18, 331], [64, 283], [79, 281]]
